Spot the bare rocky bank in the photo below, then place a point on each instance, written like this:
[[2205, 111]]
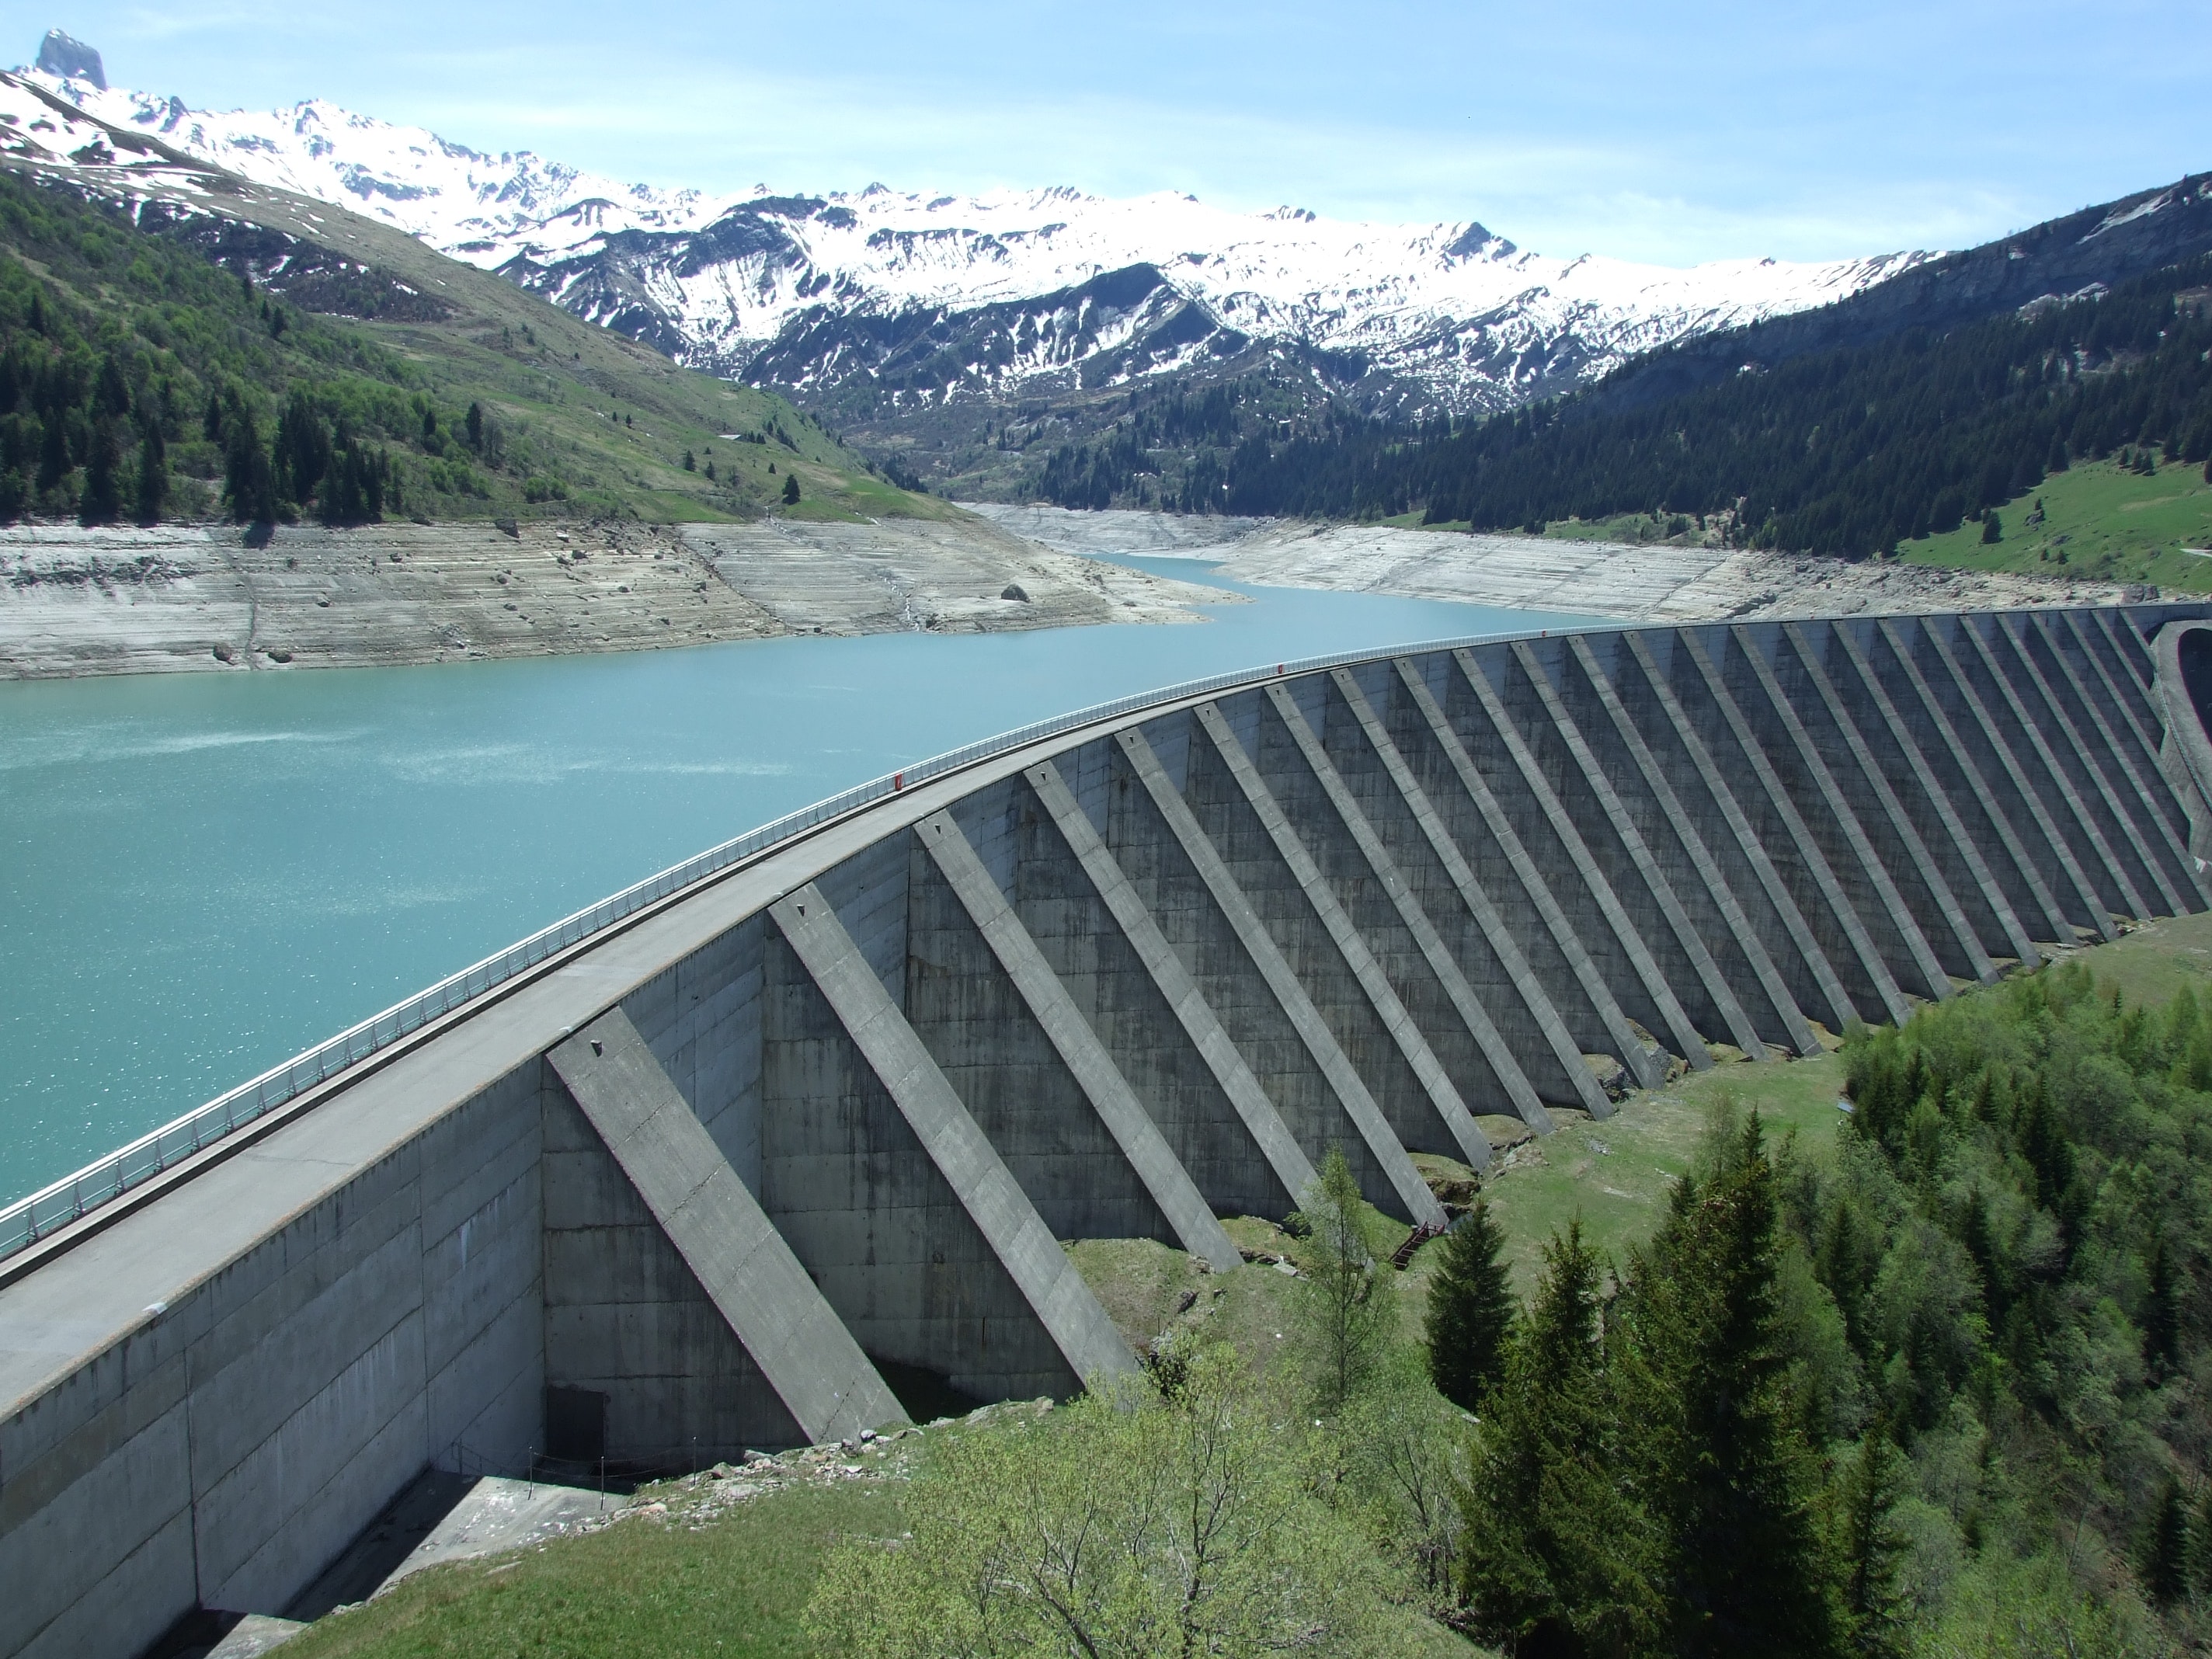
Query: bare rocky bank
[[115, 601], [1654, 583]]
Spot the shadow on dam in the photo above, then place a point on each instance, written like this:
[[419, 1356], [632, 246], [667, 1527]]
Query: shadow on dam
[[792, 1150]]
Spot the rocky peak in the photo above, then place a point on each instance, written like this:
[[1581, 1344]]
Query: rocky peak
[[71, 59]]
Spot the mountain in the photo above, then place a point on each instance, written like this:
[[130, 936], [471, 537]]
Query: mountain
[[158, 311], [2080, 255], [1867, 448], [922, 322]]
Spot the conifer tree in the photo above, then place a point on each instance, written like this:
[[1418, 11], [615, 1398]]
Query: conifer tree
[[1871, 1548], [249, 481], [475, 425], [2200, 1542], [53, 451], [101, 501], [111, 392], [1346, 1319], [2165, 1558], [153, 475], [791, 490], [2161, 1320], [1557, 1557], [1707, 1385], [1470, 1312]]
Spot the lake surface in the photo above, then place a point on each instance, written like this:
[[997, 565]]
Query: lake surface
[[203, 874]]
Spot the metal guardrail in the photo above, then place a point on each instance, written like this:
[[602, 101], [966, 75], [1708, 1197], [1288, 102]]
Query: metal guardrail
[[23, 1223]]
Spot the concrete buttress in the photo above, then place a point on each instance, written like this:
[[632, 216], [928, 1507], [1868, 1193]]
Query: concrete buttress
[[962, 1155], [729, 1244]]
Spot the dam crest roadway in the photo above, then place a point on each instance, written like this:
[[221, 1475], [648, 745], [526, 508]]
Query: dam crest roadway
[[789, 1152]]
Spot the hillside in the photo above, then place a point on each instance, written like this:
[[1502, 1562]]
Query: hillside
[[191, 286], [2108, 519], [1846, 452]]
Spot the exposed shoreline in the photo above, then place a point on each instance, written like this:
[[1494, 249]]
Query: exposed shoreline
[[201, 597], [1659, 583]]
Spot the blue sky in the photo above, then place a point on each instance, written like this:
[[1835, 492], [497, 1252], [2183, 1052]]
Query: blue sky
[[1668, 133]]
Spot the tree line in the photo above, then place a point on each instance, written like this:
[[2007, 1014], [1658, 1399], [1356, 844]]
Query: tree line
[[1847, 452]]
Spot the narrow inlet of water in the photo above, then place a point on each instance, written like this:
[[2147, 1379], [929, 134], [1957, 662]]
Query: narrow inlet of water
[[203, 874]]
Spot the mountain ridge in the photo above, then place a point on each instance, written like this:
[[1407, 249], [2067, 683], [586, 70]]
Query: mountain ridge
[[823, 294], [581, 421]]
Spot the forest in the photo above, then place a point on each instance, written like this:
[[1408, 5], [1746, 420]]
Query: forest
[[140, 381], [1849, 453]]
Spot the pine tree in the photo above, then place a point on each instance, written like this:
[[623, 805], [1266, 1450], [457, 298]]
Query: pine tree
[[1708, 1389], [2161, 1320], [1470, 1312], [2200, 1542], [2164, 1561], [690, 462], [1557, 1554], [101, 501], [1992, 528], [111, 392], [475, 424], [791, 490], [249, 481], [1871, 1549], [1346, 1319], [153, 475]]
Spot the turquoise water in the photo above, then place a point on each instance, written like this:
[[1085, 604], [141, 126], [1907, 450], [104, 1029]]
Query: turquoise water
[[203, 874]]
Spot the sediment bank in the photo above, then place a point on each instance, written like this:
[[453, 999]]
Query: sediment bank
[[184, 597], [1653, 583]]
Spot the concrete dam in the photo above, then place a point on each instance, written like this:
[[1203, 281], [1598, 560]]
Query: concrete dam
[[785, 1144]]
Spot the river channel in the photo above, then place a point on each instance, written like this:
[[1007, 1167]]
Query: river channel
[[202, 874]]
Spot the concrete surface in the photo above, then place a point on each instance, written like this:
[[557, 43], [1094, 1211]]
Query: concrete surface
[[731, 1247], [255, 1635], [499, 1515]]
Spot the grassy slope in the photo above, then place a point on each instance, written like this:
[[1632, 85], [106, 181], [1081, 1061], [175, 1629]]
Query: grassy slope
[[737, 1588], [552, 380], [2100, 521], [562, 383]]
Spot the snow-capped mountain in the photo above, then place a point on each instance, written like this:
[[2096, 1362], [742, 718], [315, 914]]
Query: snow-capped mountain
[[930, 296]]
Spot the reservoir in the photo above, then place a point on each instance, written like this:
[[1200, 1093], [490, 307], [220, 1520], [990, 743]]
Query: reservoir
[[202, 874]]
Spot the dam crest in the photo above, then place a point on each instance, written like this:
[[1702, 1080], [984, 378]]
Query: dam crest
[[786, 1145]]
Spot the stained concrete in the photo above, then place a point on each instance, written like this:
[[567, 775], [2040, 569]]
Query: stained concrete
[[737, 1258]]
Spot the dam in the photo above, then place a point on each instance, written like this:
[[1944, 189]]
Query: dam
[[785, 1143]]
